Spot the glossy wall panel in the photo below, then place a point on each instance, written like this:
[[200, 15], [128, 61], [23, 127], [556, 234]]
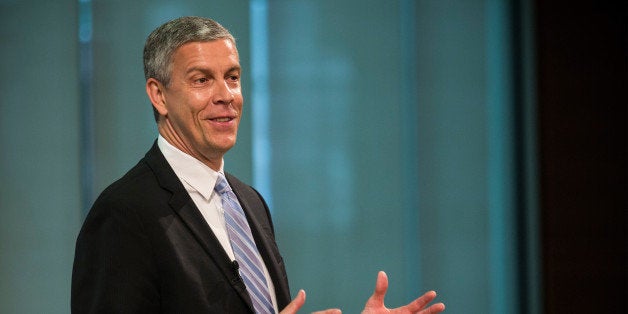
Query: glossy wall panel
[[392, 152]]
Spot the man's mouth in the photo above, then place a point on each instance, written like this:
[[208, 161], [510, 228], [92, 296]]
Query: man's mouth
[[224, 119]]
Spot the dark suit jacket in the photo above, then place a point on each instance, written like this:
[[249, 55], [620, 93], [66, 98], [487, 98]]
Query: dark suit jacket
[[145, 248]]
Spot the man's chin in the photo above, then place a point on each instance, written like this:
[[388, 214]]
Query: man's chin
[[222, 147]]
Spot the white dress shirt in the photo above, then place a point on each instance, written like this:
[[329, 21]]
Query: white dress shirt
[[199, 181]]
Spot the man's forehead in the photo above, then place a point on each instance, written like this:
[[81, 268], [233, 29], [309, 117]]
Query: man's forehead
[[220, 55]]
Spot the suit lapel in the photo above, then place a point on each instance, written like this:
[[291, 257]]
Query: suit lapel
[[182, 204]]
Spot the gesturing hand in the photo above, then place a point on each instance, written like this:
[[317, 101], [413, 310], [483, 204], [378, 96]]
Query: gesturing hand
[[375, 304], [298, 302]]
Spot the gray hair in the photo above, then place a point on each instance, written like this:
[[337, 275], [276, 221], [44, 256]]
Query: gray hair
[[167, 38]]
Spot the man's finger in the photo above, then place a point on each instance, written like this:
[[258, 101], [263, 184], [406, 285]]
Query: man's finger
[[421, 301], [380, 288], [295, 305], [434, 308]]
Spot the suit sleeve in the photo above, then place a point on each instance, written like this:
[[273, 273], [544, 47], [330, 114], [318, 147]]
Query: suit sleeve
[[114, 269]]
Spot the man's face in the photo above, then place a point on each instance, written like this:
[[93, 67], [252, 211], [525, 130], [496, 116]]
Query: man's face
[[203, 102]]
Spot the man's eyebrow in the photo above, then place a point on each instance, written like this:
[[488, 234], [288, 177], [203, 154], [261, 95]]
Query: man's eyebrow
[[197, 69], [235, 68]]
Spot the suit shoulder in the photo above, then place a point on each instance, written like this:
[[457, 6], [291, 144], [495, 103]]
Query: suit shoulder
[[137, 193], [132, 183]]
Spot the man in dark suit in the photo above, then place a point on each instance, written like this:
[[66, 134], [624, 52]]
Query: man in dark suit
[[160, 239]]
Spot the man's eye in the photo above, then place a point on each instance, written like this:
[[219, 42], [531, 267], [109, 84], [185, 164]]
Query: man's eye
[[201, 80], [234, 78]]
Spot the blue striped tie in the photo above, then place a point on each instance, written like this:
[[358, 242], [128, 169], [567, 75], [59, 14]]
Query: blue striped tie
[[244, 248]]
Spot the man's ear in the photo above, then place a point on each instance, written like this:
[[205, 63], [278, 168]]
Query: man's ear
[[155, 91]]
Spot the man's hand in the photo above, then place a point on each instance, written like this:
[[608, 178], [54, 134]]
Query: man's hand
[[296, 304], [375, 304]]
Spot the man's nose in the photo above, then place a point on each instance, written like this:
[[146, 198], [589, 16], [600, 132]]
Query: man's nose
[[223, 94]]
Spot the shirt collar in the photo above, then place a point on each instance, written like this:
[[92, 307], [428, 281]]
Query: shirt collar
[[190, 170]]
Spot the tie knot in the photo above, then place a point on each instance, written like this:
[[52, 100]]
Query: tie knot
[[221, 184]]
